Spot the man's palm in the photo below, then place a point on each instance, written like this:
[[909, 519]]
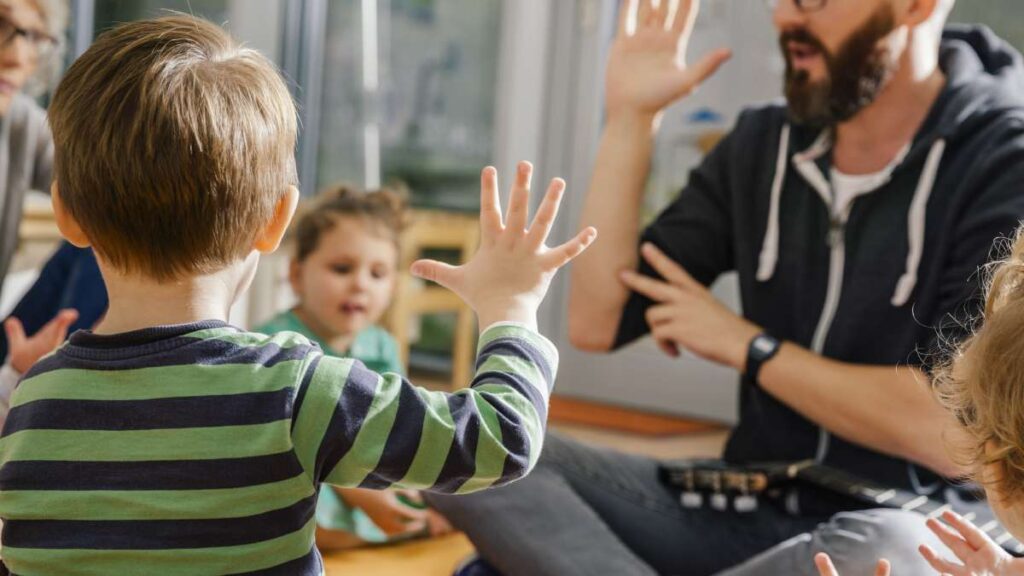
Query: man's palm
[[646, 69]]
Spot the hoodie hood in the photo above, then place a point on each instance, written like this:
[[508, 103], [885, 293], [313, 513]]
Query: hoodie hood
[[984, 78]]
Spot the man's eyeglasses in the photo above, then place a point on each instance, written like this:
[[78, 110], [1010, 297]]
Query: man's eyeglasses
[[802, 5], [42, 44]]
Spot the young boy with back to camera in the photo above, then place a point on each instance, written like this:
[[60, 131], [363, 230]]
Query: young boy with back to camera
[[170, 442]]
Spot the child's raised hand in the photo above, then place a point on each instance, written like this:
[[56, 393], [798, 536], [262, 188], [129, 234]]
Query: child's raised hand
[[825, 567], [978, 554], [24, 351], [507, 278]]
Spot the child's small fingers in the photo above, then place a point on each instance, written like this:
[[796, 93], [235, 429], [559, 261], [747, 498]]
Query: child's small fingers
[[562, 255], [974, 537], [547, 212], [490, 202], [519, 199], [883, 568], [824, 565], [951, 539], [444, 274], [940, 565]]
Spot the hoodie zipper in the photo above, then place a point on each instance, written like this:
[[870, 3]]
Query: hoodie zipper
[[836, 241]]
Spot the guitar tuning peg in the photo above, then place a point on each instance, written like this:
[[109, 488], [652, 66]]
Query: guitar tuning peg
[[692, 500], [745, 503], [719, 502]]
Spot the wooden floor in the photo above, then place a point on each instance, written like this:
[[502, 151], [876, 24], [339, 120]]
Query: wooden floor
[[436, 557]]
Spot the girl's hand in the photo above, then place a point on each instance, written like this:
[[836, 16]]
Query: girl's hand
[[391, 515], [978, 554]]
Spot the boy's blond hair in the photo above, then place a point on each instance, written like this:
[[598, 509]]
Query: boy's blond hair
[[983, 381], [173, 146]]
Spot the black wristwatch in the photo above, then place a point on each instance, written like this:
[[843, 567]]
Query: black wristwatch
[[762, 348]]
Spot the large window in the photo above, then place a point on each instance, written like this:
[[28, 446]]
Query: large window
[[409, 94], [258, 23]]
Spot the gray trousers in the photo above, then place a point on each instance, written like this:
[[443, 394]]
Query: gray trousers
[[590, 511]]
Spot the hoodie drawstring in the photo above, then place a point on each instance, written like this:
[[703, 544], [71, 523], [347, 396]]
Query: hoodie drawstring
[[769, 255], [915, 224], [770, 247]]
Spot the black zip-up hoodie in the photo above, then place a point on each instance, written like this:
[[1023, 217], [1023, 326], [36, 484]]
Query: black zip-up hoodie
[[871, 285]]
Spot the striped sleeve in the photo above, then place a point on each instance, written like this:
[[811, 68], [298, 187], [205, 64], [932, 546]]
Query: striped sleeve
[[354, 427]]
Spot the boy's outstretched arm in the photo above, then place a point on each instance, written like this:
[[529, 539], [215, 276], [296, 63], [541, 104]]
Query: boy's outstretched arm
[[354, 427]]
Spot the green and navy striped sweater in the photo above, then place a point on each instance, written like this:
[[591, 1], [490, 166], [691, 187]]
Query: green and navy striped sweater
[[199, 449]]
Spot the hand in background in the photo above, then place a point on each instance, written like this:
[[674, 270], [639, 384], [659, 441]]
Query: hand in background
[[978, 554], [826, 568], [509, 275], [647, 68], [24, 351], [391, 515]]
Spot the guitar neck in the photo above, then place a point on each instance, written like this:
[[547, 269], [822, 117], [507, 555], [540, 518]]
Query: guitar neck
[[876, 495]]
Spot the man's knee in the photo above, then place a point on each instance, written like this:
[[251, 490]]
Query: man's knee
[[856, 540]]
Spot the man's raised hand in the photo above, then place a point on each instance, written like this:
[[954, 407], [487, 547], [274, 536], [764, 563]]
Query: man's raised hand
[[647, 67]]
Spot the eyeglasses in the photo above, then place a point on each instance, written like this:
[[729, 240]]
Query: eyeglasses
[[43, 45], [802, 5]]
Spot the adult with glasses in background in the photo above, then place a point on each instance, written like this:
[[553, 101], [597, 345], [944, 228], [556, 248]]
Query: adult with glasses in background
[[857, 214], [31, 42], [29, 61]]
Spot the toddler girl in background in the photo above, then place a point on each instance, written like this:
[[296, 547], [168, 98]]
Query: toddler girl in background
[[343, 272]]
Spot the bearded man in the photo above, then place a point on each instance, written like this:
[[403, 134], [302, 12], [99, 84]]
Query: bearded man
[[857, 215]]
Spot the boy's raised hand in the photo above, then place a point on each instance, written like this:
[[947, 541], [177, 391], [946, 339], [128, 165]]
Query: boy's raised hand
[[509, 275]]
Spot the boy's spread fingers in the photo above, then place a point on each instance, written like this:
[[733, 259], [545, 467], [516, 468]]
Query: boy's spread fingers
[[444, 274], [519, 199], [547, 212], [490, 203], [563, 254]]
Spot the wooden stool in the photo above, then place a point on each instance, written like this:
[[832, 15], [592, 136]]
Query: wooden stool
[[432, 230]]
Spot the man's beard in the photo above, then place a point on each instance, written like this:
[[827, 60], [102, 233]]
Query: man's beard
[[856, 74]]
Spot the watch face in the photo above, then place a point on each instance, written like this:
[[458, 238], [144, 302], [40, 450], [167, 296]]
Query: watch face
[[763, 345]]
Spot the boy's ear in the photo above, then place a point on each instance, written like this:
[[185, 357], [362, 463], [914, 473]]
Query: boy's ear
[[273, 233], [66, 223]]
